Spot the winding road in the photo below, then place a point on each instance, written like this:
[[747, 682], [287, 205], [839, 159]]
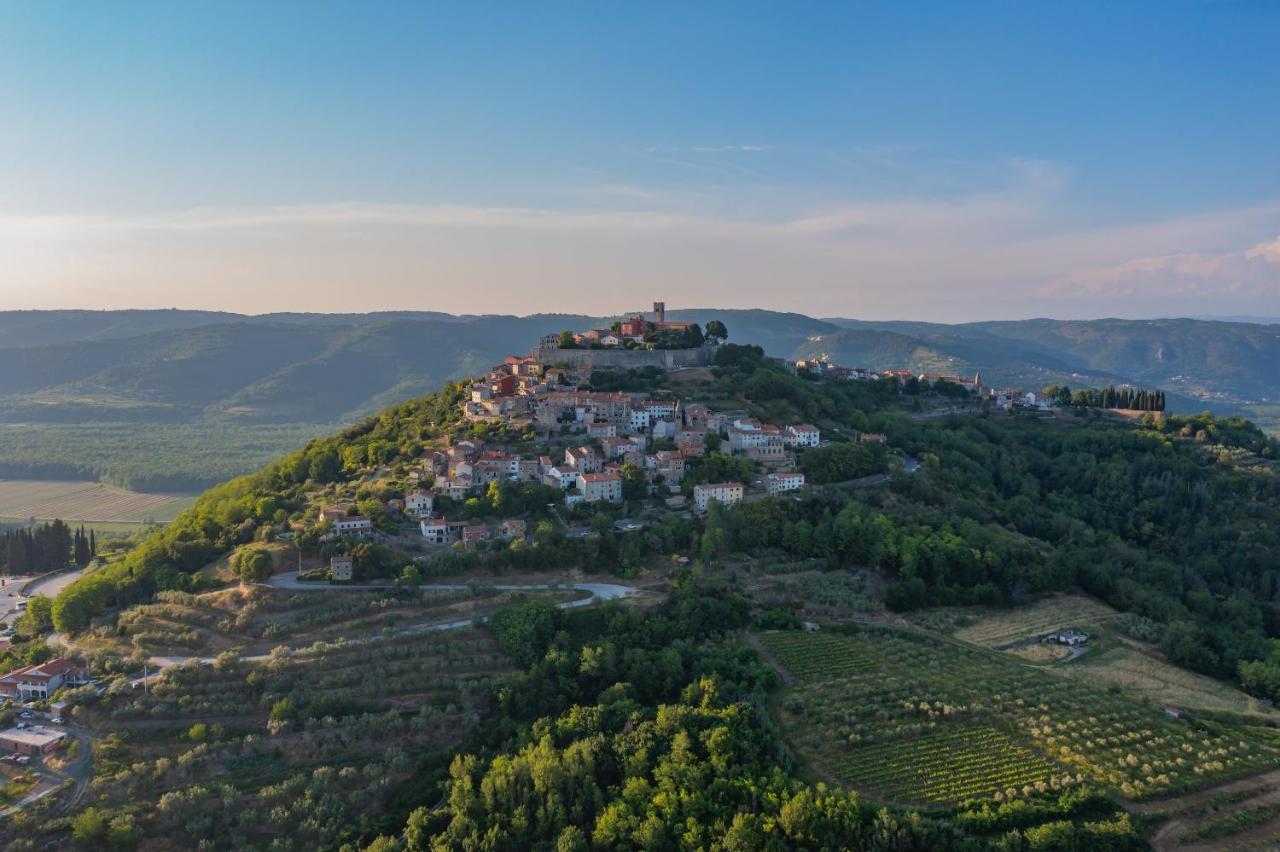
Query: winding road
[[50, 586]]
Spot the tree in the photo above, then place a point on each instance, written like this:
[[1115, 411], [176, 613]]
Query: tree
[[253, 565], [716, 332], [37, 618], [90, 827], [566, 340], [325, 466], [634, 486]]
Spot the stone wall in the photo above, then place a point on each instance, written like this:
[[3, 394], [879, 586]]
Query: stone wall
[[625, 359]]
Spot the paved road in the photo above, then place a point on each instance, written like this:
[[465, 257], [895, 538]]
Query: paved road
[[52, 585], [9, 597]]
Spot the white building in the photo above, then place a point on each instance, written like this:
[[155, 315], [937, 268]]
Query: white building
[[441, 531], [741, 440], [803, 435], [564, 477], [639, 419], [727, 493], [353, 525], [660, 408], [784, 480], [419, 502], [596, 487]]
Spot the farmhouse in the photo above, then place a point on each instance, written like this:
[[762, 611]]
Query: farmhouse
[[32, 683], [353, 525], [1071, 637]]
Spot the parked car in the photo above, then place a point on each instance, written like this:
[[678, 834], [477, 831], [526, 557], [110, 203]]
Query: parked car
[[21, 725], [26, 714], [57, 720]]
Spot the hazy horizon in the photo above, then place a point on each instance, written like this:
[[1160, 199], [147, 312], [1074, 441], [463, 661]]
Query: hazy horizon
[[672, 309], [942, 163]]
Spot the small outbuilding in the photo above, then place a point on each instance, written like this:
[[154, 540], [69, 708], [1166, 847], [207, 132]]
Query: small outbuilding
[[342, 569]]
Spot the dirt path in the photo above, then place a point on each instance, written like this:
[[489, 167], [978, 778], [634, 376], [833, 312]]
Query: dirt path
[[1184, 815], [754, 641]]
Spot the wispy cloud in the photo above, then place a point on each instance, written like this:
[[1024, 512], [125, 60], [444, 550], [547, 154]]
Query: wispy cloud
[[1001, 252], [1247, 272], [729, 149]]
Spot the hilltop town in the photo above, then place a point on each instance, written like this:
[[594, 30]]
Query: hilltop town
[[550, 425]]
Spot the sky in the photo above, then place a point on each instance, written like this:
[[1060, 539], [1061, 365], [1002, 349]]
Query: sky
[[883, 160]]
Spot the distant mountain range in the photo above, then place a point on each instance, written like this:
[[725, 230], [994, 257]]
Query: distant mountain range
[[184, 366]]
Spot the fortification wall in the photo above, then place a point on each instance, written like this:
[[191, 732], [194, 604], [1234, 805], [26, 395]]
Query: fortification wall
[[626, 359]]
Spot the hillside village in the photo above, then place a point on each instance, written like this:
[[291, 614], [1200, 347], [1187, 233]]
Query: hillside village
[[589, 447]]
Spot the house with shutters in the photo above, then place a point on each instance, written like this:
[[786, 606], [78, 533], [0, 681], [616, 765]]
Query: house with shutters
[[726, 493], [605, 486], [784, 480]]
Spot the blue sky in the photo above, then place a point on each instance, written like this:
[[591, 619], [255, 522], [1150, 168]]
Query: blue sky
[[930, 160]]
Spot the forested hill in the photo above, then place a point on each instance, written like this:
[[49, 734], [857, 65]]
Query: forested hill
[[181, 366], [1227, 367], [623, 724]]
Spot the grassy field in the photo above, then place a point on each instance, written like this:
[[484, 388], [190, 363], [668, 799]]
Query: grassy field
[[86, 501], [1113, 660], [997, 628], [1144, 676], [916, 719]]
